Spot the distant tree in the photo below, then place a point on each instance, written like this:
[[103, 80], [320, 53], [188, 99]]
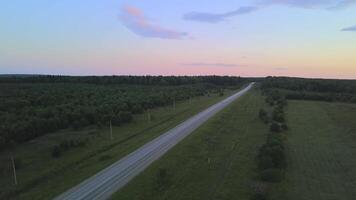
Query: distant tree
[[125, 116], [271, 175], [56, 151], [263, 115], [275, 127]]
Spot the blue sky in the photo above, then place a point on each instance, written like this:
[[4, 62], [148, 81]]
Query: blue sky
[[315, 38]]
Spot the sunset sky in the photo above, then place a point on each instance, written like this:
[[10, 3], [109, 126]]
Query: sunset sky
[[304, 38]]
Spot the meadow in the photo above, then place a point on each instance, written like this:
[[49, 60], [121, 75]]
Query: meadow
[[321, 149]]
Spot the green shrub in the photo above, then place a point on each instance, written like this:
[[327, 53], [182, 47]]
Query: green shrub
[[259, 196], [125, 116], [271, 175], [278, 157], [275, 127], [56, 151], [284, 126], [18, 163], [278, 116], [263, 116], [265, 162], [105, 157]]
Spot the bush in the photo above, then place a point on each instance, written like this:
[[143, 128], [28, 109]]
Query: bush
[[122, 117], [259, 191], [271, 175], [265, 162], [259, 196], [56, 151], [18, 163], [284, 126], [221, 92], [66, 145], [105, 157], [270, 100], [275, 127], [263, 116], [278, 116], [125, 116], [278, 157], [137, 109]]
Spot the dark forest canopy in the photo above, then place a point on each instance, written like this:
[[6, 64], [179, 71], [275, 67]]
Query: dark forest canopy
[[138, 80], [312, 85], [31, 106], [313, 89]]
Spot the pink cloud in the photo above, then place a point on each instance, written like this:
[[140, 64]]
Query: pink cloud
[[135, 20]]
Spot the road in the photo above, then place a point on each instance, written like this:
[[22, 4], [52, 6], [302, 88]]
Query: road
[[106, 182]]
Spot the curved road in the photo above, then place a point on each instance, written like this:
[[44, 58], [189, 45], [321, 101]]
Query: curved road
[[106, 182]]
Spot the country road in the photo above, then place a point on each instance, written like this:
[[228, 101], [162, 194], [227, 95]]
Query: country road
[[106, 182]]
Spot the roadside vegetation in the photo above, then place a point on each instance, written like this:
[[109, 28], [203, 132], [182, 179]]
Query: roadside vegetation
[[271, 159], [217, 161]]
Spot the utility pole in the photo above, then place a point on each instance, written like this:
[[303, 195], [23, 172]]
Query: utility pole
[[13, 168], [174, 103], [111, 137]]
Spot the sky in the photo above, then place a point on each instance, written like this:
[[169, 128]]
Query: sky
[[300, 38]]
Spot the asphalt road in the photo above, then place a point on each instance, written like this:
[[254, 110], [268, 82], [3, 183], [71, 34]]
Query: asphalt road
[[106, 182]]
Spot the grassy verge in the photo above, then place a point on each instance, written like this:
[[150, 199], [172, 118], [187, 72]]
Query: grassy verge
[[217, 161], [43, 177], [321, 151]]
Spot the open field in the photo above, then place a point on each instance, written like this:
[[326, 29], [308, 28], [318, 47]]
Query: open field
[[217, 161], [321, 149], [42, 177]]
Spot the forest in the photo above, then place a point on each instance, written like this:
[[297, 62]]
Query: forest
[[313, 89], [31, 106]]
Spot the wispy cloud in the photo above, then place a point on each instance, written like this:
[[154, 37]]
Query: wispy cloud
[[215, 18], [310, 4], [201, 64], [351, 28], [209, 17], [343, 4], [135, 20]]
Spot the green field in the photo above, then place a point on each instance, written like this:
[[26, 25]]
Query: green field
[[217, 161], [42, 177], [321, 149]]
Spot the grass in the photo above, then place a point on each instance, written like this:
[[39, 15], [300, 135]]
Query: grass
[[217, 161], [321, 149], [44, 177]]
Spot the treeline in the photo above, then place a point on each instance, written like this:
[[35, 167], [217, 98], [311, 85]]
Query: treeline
[[129, 80], [29, 110], [271, 158], [313, 89]]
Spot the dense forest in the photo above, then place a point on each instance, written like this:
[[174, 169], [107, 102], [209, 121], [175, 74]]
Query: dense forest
[[31, 106], [136, 80], [313, 89]]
